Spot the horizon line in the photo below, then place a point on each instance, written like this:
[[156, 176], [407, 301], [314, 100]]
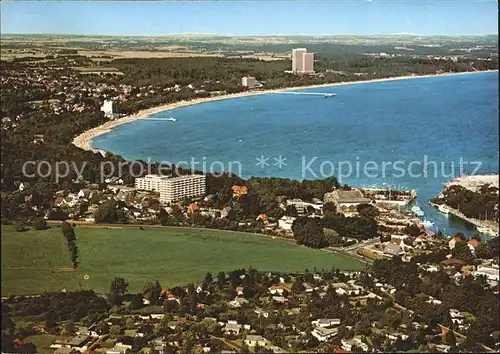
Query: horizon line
[[245, 35]]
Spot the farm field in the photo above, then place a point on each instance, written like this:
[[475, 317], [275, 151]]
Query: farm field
[[38, 261]]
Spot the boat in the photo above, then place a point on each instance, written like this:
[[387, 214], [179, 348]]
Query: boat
[[417, 211], [171, 119], [427, 223], [443, 209]]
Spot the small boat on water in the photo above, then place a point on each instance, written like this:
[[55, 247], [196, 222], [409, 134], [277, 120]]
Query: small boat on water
[[417, 211], [443, 209], [171, 119], [427, 223]]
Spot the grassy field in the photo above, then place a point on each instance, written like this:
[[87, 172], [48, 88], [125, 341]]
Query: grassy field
[[173, 256]]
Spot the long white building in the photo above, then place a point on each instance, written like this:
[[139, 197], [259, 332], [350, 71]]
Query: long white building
[[173, 188]]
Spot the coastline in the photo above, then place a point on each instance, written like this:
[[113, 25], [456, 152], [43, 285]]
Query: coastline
[[84, 140]]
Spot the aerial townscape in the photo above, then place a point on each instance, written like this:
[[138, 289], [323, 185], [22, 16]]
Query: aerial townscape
[[175, 181]]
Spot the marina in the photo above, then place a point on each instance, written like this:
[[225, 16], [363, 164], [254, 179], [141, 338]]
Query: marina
[[482, 226]]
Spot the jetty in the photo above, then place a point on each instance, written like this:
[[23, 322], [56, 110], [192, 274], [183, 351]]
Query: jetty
[[324, 94], [168, 119]]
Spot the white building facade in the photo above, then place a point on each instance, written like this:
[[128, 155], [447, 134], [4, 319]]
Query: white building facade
[[173, 188], [109, 108], [302, 62], [248, 81]]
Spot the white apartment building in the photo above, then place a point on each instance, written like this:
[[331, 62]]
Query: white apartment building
[[109, 108], [298, 204], [150, 182], [248, 81], [177, 188], [302, 62], [173, 188]]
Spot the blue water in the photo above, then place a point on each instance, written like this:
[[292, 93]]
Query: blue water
[[444, 118]]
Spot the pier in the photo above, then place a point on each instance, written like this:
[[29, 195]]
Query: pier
[[306, 93], [159, 118]]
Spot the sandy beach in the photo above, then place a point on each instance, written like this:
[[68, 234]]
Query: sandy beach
[[84, 140]]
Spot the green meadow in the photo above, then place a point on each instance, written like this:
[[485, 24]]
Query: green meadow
[[32, 261]]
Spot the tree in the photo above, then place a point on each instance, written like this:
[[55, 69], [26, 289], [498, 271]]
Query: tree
[[450, 338], [208, 278], [367, 210], [297, 285], [115, 331], [117, 289], [40, 224], [50, 324], [69, 328], [68, 233], [309, 232], [130, 323], [74, 255], [137, 301], [163, 217], [413, 230], [329, 207], [462, 252], [291, 210], [102, 327]]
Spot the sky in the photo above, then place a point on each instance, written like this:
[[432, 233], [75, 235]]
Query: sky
[[239, 18]]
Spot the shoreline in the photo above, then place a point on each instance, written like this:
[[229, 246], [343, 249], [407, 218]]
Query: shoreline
[[84, 140]]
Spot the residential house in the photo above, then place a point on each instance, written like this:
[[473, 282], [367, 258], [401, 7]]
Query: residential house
[[347, 344], [65, 350], [254, 340], [391, 249], [326, 322], [456, 316], [224, 213], [280, 299], [119, 348], [286, 223], [308, 288], [232, 328], [491, 271], [277, 289], [453, 242], [78, 342], [323, 334], [239, 290], [261, 312], [239, 191], [238, 302], [393, 336]]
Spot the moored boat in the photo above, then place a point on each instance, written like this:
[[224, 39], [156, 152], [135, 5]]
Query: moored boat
[[443, 209], [417, 211]]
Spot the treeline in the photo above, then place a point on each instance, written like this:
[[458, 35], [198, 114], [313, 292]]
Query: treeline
[[69, 234], [333, 227]]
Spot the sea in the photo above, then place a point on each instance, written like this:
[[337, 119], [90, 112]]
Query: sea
[[406, 134]]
